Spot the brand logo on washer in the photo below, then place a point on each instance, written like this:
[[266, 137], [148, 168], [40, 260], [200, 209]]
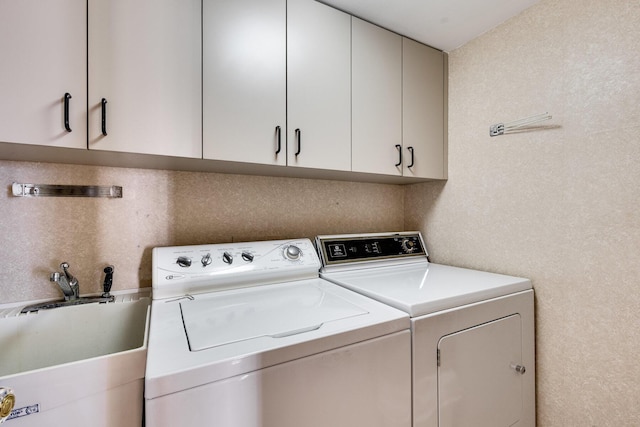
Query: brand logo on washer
[[24, 411]]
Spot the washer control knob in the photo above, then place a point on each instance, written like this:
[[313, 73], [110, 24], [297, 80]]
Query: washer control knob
[[227, 258], [247, 256], [292, 252], [184, 261], [206, 260]]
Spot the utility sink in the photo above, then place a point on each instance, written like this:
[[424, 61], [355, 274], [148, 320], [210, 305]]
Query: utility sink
[[76, 366]]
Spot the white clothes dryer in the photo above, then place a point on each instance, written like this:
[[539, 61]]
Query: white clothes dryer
[[473, 361], [248, 335]]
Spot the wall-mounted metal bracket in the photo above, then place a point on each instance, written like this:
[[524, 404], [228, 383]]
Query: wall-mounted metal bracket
[[518, 125], [46, 190]]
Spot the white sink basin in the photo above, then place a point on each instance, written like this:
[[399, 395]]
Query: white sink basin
[[76, 366]]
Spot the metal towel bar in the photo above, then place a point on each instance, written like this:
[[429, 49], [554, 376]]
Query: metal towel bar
[[46, 190]]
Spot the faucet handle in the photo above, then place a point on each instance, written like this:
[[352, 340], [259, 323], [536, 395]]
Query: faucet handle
[[64, 266]]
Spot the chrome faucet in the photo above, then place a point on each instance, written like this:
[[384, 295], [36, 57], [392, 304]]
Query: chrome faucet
[[71, 290], [69, 284]]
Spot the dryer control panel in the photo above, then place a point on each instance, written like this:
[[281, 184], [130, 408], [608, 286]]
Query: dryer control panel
[[182, 270], [354, 248]]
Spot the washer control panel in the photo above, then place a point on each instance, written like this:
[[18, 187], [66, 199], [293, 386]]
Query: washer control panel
[[181, 270], [369, 247]]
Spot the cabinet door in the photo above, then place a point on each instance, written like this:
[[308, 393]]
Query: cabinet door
[[145, 61], [43, 45], [478, 384], [377, 99], [244, 75], [423, 110], [319, 86]]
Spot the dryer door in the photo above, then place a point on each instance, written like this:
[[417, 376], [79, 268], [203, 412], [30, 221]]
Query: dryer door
[[480, 375]]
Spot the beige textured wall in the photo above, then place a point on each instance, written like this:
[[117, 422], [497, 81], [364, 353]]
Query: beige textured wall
[[558, 205], [163, 208]]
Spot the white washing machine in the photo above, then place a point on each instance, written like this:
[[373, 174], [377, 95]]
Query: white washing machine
[[472, 331], [248, 335]]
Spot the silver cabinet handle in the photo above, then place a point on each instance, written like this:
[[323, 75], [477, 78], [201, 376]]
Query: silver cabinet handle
[[518, 368]]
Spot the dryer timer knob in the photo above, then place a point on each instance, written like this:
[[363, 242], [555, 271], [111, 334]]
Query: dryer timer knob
[[408, 246], [292, 252]]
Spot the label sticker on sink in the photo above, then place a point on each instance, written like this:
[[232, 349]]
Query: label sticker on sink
[[24, 411]]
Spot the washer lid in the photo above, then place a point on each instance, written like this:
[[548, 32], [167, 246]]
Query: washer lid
[[289, 311], [274, 313], [425, 288]]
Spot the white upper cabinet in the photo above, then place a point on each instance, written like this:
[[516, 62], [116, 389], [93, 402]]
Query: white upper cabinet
[[244, 75], [43, 46], [291, 83], [319, 86], [398, 105], [377, 99], [423, 111], [145, 91]]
